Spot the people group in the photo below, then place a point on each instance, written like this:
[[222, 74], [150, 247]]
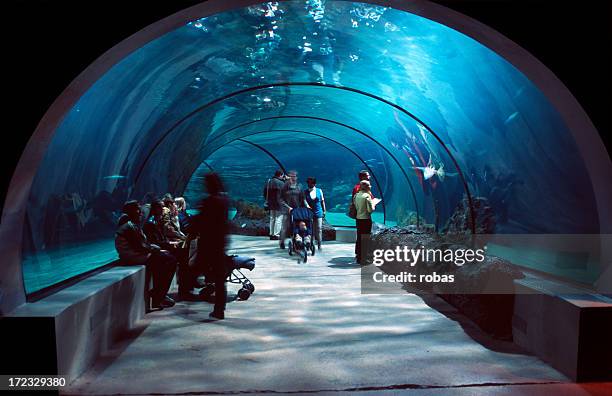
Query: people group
[[283, 194], [160, 234]]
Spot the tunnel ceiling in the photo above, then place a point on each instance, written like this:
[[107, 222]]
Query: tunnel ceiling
[[369, 77]]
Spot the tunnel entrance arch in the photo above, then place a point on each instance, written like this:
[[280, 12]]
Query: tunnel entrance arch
[[588, 142]]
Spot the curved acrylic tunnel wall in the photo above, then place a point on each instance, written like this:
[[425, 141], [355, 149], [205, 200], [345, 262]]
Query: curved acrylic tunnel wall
[[310, 154], [409, 95]]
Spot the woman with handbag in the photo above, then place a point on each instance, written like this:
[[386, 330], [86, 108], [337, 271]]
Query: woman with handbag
[[364, 206]]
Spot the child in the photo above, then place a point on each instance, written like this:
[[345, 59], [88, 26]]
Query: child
[[301, 235]]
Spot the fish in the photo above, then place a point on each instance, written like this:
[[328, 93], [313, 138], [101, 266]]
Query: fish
[[114, 177], [319, 69], [428, 171], [519, 92], [511, 117]]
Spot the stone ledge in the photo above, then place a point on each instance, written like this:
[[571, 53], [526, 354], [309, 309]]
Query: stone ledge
[[566, 326], [65, 332]]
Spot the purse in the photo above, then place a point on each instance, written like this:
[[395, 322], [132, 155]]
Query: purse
[[352, 212]]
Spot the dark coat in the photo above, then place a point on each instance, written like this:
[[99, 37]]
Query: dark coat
[[292, 196], [272, 191], [212, 225], [155, 232], [131, 243]]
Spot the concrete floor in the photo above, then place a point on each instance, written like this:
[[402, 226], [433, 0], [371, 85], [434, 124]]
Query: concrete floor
[[307, 328]]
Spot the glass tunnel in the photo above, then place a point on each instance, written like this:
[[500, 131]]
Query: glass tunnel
[[327, 88]]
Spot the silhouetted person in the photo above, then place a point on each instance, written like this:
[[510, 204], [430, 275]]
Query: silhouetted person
[[134, 249], [147, 200], [213, 226]]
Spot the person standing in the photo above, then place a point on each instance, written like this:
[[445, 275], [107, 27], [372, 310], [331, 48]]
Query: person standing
[[365, 205], [316, 203], [212, 225], [363, 175], [291, 197], [271, 193]]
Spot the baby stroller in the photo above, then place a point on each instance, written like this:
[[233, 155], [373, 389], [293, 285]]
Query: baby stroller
[[301, 240], [234, 264]]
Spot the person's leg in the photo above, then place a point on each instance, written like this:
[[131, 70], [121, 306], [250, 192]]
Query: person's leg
[[284, 230], [365, 240], [271, 228], [318, 231], [359, 225], [163, 267], [220, 296], [278, 223], [186, 278]]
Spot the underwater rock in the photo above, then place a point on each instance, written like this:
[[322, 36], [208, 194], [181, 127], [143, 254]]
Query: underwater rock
[[241, 225], [249, 210], [460, 220], [329, 232], [482, 291], [253, 227]]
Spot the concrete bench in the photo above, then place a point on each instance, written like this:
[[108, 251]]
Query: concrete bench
[[568, 327], [346, 234], [65, 332]]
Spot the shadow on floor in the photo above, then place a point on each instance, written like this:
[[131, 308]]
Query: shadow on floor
[[343, 263], [469, 327], [122, 342]]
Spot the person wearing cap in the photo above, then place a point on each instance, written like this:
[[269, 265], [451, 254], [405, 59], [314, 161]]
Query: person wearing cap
[[365, 205]]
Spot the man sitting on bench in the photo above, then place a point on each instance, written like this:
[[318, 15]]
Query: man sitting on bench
[[134, 249]]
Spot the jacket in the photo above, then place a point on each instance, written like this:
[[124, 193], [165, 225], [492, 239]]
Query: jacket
[[155, 232], [363, 204], [212, 225], [272, 191], [292, 196], [131, 243]]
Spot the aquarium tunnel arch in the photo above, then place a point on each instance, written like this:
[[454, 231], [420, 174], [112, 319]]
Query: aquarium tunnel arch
[[459, 173], [431, 88], [193, 190]]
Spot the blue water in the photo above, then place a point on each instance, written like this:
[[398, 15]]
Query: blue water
[[149, 124]]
